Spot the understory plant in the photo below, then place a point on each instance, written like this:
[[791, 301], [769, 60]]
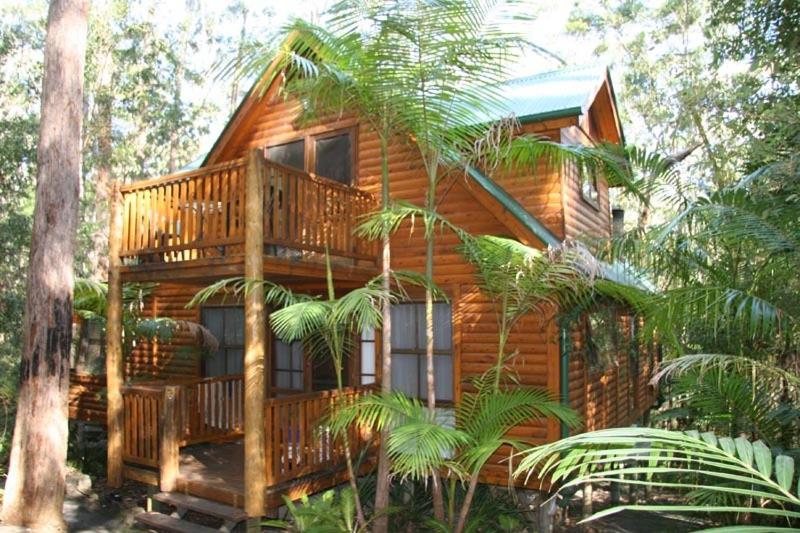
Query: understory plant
[[716, 475]]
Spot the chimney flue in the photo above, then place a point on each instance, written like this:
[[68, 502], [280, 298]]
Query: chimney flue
[[617, 221]]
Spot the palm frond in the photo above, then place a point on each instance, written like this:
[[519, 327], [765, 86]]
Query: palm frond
[[673, 460]]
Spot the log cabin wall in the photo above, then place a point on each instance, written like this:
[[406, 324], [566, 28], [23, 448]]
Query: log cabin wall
[[613, 395], [583, 217]]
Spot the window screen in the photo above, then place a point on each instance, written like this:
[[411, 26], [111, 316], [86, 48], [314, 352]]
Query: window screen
[[288, 363], [290, 154], [227, 325], [409, 372], [334, 158]]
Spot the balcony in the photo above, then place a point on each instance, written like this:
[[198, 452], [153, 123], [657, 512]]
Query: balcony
[[199, 217]]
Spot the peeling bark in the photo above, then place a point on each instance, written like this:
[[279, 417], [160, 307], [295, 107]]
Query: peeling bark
[[34, 490]]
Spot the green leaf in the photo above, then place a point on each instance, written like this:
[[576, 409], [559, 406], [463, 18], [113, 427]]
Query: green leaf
[[784, 471], [763, 457], [745, 450], [728, 446]]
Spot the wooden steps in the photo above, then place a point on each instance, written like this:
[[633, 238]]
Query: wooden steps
[[227, 513], [183, 503], [171, 524]]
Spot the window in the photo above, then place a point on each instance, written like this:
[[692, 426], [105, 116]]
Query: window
[[227, 325], [408, 350], [292, 154], [589, 191], [334, 158], [368, 357], [288, 365], [88, 354], [604, 338], [329, 155]]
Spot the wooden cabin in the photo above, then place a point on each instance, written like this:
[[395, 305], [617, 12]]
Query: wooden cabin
[[237, 426]]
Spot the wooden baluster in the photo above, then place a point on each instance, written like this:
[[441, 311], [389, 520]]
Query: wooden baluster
[[269, 448], [190, 216], [276, 181], [225, 184]]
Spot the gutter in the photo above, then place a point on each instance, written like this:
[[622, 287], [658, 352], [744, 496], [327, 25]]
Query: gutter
[[514, 207]]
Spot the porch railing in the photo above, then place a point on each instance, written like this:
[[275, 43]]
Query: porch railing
[[201, 213], [298, 442], [203, 410], [159, 419]]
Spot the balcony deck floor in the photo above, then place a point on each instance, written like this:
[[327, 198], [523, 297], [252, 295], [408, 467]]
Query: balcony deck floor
[[214, 471]]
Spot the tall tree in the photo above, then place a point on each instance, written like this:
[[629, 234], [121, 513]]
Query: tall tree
[[34, 491]]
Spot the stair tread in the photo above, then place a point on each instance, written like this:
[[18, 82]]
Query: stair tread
[[200, 505], [171, 524]]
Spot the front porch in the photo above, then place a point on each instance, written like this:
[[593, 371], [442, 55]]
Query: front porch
[[188, 438], [233, 439]]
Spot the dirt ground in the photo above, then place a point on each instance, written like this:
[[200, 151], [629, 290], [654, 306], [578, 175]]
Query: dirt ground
[[95, 508]]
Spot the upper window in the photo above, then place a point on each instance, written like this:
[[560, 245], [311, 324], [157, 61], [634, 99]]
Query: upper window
[[409, 368], [589, 190], [329, 155], [334, 158], [291, 154]]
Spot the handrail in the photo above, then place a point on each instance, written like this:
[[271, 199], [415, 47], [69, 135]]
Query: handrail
[[177, 176], [297, 444], [201, 213]]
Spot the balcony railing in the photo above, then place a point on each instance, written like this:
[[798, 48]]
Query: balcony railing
[[201, 214]]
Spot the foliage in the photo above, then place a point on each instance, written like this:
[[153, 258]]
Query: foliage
[[90, 301], [720, 467], [331, 512]]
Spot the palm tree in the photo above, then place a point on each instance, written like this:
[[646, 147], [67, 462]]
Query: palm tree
[[335, 72], [327, 326]]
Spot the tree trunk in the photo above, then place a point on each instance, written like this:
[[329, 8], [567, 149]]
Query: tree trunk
[[102, 182], [381, 523], [34, 490], [436, 486]]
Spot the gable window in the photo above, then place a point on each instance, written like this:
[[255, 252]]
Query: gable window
[[329, 155], [409, 372], [292, 154], [588, 182], [333, 158], [227, 325]]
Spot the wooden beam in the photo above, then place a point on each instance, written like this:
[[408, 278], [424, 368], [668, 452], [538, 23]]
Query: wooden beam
[[114, 360], [169, 448], [255, 341]]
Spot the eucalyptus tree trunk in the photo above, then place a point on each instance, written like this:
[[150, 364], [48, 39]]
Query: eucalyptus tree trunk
[[34, 490], [381, 523]]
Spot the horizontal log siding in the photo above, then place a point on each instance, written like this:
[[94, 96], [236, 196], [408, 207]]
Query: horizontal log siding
[[581, 218], [176, 358]]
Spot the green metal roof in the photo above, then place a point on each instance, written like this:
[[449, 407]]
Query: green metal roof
[[554, 94]]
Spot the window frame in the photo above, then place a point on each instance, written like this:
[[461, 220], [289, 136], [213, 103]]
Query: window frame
[[421, 354], [594, 199], [303, 370], [310, 138], [222, 346]]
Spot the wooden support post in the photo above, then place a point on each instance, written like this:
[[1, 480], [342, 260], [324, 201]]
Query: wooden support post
[[114, 361], [169, 459], [254, 341]]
